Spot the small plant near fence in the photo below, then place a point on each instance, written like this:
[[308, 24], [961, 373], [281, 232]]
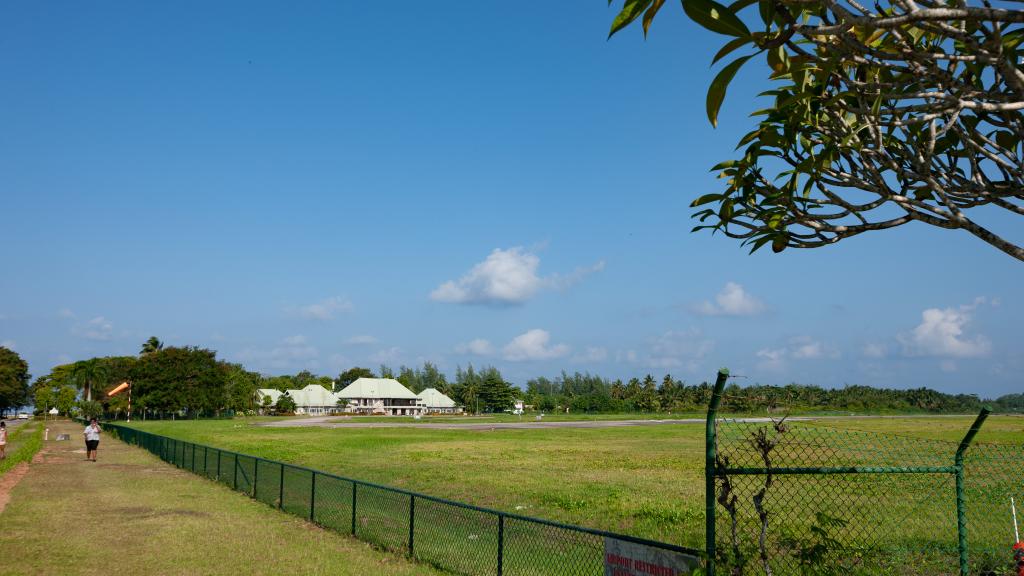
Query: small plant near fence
[[799, 498]]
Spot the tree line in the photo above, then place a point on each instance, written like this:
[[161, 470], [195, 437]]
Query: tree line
[[192, 381], [589, 393]]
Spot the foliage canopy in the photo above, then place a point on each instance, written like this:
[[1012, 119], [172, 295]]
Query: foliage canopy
[[881, 114]]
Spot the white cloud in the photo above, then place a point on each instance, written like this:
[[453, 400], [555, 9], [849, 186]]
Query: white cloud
[[798, 348], [477, 346], [386, 355], [941, 333], [65, 313], [771, 358], [591, 355], [99, 328], [506, 277], [533, 345], [947, 366], [678, 350], [290, 351], [361, 340], [325, 309], [732, 300], [808, 351], [873, 350]]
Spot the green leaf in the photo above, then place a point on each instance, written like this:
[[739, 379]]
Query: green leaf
[[1006, 140], [630, 11], [649, 15], [729, 48], [716, 92], [766, 8], [705, 199], [715, 17]]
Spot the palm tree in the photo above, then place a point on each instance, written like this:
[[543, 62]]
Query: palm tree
[[152, 345], [87, 373]]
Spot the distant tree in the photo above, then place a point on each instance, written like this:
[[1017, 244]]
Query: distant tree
[[431, 377], [45, 398], [267, 403], [152, 345], [14, 378], [285, 404], [239, 387], [351, 375], [304, 378], [90, 409], [87, 374], [65, 400], [386, 371], [186, 378], [280, 383], [495, 394]]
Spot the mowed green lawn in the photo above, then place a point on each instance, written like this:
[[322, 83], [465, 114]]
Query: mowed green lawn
[[643, 480]]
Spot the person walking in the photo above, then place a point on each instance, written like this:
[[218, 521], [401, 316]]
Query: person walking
[[3, 440], [92, 439]]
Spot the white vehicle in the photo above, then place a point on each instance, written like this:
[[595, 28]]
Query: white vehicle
[[23, 416]]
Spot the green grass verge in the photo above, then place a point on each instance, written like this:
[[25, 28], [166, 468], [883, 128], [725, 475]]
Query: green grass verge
[[134, 514], [22, 445]]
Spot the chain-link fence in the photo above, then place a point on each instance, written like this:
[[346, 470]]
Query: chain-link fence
[[798, 498], [459, 538]]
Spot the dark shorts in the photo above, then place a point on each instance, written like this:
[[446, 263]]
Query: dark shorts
[[91, 444]]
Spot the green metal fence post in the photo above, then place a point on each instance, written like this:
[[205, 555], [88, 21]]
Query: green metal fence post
[[961, 503], [354, 508], [412, 522], [255, 476], [193, 458], [235, 481], [312, 498], [219, 453], [501, 542], [280, 490], [710, 470]]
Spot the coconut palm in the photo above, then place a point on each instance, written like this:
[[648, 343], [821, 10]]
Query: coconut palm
[[152, 345]]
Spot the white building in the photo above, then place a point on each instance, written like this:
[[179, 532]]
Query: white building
[[435, 402], [380, 396], [313, 399]]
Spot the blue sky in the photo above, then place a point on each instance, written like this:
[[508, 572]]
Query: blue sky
[[333, 184]]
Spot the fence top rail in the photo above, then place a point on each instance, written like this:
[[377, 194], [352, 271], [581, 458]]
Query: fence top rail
[[439, 500]]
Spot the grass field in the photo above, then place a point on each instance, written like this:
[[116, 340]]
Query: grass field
[[131, 513], [645, 481]]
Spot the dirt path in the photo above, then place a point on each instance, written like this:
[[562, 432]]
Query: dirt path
[[8, 481]]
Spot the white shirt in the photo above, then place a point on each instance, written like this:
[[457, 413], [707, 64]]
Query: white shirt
[[92, 432]]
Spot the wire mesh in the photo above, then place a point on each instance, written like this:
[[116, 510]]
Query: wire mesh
[[268, 481], [462, 540], [538, 549], [332, 503], [382, 517], [854, 502], [298, 484], [992, 474]]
